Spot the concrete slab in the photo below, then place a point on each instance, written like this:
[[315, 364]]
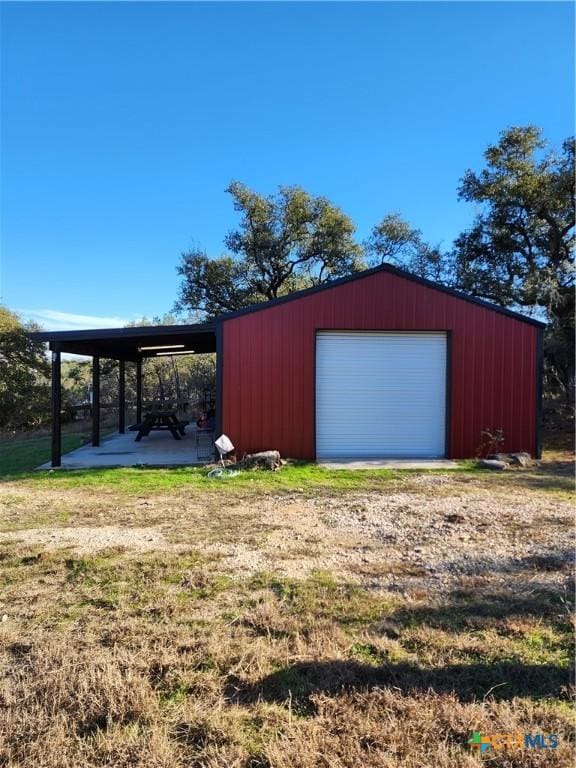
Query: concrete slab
[[158, 449], [388, 464]]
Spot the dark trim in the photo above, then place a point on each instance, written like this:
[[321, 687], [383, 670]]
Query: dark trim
[[314, 403], [443, 329], [89, 350], [56, 409], [368, 273], [448, 406], [539, 390], [138, 391], [219, 378], [121, 397], [95, 401], [105, 334]]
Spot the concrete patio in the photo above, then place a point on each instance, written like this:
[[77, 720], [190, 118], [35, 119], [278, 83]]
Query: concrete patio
[[158, 449], [388, 464]]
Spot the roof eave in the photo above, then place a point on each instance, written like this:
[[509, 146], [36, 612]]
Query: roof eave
[[99, 334]]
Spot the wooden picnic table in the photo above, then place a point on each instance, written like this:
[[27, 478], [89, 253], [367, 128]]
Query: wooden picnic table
[[159, 420]]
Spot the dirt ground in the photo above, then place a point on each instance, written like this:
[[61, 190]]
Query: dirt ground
[[222, 626], [430, 531]]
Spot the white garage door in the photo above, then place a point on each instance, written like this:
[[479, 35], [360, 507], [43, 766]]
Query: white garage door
[[380, 394]]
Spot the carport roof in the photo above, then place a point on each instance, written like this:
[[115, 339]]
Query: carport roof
[[128, 343]]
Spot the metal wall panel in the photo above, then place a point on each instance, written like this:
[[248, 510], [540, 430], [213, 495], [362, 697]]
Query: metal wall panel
[[390, 402], [268, 385]]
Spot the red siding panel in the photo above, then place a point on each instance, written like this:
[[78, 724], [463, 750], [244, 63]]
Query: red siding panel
[[269, 364]]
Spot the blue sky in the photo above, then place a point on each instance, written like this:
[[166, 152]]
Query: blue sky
[[122, 124]]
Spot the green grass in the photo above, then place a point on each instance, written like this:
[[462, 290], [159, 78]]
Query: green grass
[[22, 453], [20, 456], [303, 478]]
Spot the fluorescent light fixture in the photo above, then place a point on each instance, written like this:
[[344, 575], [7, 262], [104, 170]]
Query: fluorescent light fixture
[[164, 346], [183, 352]]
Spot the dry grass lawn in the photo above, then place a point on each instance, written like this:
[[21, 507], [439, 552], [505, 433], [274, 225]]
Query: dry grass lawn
[[152, 619]]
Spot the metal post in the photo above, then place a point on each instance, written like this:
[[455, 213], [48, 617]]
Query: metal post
[[121, 397], [219, 379], [539, 390], [138, 391], [56, 408], [95, 401]]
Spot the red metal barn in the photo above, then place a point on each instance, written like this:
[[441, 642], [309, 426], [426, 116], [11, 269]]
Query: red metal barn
[[379, 364]]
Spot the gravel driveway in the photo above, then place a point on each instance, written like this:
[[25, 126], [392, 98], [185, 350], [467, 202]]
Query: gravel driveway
[[431, 531]]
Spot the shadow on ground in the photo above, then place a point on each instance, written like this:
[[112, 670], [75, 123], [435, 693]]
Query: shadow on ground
[[461, 612], [469, 682], [551, 475], [529, 574]]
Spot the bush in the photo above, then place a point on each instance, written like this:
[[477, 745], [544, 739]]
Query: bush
[[24, 370]]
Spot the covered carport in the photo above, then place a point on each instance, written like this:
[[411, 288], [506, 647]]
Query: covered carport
[[126, 345]]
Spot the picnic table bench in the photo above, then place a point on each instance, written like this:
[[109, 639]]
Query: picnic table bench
[[160, 420]]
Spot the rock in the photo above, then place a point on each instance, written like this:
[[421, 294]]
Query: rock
[[521, 459], [505, 457], [263, 460], [455, 518], [492, 464]]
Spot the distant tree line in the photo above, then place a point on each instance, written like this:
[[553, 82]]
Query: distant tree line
[[175, 380]]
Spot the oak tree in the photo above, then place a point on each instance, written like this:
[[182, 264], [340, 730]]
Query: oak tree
[[284, 242], [519, 251]]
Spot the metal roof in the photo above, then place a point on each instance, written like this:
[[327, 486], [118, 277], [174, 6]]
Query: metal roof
[[368, 273], [126, 343]]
